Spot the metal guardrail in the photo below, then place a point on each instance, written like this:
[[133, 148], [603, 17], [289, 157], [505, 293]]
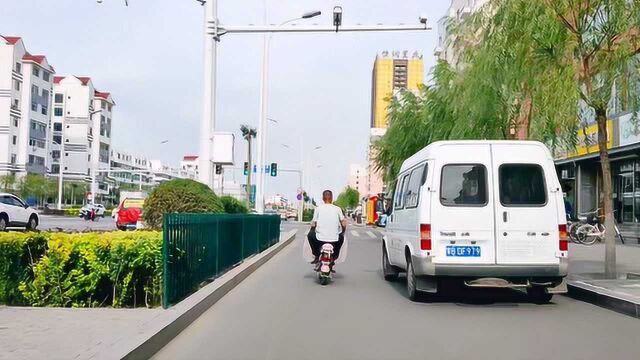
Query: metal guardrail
[[199, 247]]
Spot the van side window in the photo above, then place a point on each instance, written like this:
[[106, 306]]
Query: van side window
[[398, 202], [413, 190], [522, 184], [463, 185]]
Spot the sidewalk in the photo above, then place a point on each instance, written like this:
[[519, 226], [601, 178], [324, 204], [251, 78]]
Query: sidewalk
[[586, 279]]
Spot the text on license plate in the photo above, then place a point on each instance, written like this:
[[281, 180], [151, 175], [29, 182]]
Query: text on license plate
[[467, 251]]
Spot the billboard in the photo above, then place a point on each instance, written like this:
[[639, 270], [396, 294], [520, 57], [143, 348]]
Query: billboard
[[587, 142], [222, 148]]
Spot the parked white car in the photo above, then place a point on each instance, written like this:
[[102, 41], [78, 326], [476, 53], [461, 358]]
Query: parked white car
[[16, 213], [484, 213], [99, 209]]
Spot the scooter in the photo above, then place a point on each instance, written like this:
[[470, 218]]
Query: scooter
[[324, 267]]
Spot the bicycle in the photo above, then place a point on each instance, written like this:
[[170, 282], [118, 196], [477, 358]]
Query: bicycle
[[589, 228]]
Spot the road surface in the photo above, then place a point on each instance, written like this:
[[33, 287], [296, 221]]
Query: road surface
[[280, 313], [74, 223]]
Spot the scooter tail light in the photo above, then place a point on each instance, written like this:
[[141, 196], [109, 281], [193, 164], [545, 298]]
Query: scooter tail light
[[425, 236], [563, 238]]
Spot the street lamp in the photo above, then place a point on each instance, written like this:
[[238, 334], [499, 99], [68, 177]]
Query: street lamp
[[94, 161], [262, 126]]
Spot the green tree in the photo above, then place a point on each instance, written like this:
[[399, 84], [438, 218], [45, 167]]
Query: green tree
[[602, 44], [348, 199], [8, 182], [248, 133]]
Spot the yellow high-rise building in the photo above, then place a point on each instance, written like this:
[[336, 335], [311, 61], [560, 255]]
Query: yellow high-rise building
[[390, 74]]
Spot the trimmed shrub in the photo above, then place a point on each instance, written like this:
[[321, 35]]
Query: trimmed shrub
[[233, 206], [179, 196], [18, 251], [119, 269], [307, 215]]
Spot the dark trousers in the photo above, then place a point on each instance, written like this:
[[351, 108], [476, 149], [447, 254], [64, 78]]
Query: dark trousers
[[316, 245]]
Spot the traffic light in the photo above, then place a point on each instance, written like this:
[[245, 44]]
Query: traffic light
[[246, 168], [274, 169], [218, 169]]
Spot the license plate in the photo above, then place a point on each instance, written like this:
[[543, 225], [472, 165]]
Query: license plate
[[463, 251]]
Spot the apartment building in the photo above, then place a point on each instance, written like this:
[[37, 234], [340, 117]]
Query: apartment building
[[358, 178], [458, 10], [189, 166], [81, 121], [135, 169], [26, 83]]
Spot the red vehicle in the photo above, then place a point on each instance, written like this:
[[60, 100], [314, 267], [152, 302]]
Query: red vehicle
[[129, 214]]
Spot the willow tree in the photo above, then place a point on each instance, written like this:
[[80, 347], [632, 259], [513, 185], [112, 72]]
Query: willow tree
[[603, 39]]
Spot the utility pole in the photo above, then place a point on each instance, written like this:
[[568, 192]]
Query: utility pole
[[209, 93]]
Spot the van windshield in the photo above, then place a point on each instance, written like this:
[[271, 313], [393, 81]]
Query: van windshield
[[463, 185], [521, 185]]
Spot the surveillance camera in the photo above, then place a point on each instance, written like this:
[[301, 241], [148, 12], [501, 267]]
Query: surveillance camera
[[99, 1], [423, 19]]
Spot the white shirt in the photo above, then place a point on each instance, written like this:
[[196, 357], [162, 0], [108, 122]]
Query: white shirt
[[328, 218]]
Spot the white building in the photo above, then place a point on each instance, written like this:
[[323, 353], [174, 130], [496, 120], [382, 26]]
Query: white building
[[189, 166], [134, 168], [458, 10], [25, 103], [358, 177], [82, 118]]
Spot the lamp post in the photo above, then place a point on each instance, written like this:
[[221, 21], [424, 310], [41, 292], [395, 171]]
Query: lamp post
[[94, 160], [262, 125]]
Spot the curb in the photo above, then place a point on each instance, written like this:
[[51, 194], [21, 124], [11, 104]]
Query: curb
[[155, 334], [583, 292]]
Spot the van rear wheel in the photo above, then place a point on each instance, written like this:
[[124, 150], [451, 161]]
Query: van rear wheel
[[412, 292], [539, 295], [390, 273]]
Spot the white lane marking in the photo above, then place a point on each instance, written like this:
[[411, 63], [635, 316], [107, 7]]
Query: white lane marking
[[355, 233], [371, 235]]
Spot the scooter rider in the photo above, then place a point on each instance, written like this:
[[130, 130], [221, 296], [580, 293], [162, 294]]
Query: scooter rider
[[328, 226]]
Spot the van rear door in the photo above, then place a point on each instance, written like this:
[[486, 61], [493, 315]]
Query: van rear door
[[525, 206], [462, 215]]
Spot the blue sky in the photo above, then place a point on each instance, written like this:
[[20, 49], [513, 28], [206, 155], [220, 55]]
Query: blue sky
[[149, 56]]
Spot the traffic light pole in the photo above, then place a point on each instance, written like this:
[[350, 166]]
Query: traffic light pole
[[215, 29]]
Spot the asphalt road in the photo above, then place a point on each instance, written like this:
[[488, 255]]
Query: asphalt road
[[74, 223], [280, 312]]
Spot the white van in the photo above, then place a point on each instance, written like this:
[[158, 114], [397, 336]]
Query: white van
[[488, 213]]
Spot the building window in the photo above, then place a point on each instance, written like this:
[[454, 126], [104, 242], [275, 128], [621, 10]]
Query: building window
[[34, 106], [45, 75], [89, 157], [15, 140], [55, 169], [35, 71], [44, 110], [34, 90], [45, 95], [13, 158], [57, 126], [55, 154], [109, 107], [19, 68], [16, 85], [103, 105], [57, 139], [33, 125], [59, 98], [15, 121], [57, 111]]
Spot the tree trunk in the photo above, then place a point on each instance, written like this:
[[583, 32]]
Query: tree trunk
[[250, 169], [524, 118], [607, 192]]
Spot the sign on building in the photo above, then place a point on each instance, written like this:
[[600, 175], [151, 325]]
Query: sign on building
[[222, 148], [629, 129]]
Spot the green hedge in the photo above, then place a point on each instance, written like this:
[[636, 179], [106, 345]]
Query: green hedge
[[233, 206], [119, 269]]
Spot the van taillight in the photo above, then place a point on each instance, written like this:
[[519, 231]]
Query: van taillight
[[425, 236], [563, 238]]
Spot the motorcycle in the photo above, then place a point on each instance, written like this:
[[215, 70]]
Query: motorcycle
[[87, 215], [324, 268]]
